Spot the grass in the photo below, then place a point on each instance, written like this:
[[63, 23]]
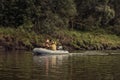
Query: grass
[[71, 39], [91, 39]]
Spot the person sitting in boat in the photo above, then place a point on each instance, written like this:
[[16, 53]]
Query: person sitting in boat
[[53, 45], [47, 44]]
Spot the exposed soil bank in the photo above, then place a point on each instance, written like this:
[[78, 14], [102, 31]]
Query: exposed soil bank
[[17, 39], [10, 43]]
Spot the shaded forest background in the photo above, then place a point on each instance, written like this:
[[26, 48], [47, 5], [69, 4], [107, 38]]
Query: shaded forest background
[[46, 16], [76, 24]]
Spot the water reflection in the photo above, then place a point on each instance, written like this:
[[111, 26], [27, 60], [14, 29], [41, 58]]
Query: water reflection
[[15, 66], [77, 67], [53, 62], [25, 66]]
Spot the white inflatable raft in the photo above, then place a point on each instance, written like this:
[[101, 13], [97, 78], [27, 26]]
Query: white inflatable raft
[[47, 51]]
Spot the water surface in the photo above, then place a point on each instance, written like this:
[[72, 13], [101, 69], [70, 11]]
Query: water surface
[[22, 65]]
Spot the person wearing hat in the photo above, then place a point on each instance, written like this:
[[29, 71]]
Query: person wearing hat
[[47, 43]]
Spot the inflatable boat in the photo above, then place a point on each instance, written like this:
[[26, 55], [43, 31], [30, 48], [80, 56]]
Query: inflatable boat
[[43, 51]]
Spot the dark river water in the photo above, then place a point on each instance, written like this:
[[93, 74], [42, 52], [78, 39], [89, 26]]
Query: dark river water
[[22, 65]]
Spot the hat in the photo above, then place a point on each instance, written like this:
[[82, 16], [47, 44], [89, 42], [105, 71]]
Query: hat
[[47, 40]]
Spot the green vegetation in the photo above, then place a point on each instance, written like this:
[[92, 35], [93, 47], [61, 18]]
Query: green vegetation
[[78, 24], [70, 39]]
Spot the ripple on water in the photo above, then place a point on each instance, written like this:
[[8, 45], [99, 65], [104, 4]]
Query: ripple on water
[[23, 66]]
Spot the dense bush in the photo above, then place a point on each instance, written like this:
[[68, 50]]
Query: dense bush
[[46, 16]]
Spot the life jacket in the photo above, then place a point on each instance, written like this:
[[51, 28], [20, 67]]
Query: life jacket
[[53, 46]]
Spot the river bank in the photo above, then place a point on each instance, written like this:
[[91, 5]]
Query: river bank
[[19, 39]]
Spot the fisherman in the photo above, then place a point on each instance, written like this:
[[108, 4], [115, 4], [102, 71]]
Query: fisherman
[[47, 44], [53, 45]]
